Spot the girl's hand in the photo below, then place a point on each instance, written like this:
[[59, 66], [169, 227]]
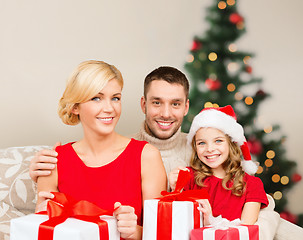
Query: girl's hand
[[45, 196], [127, 222], [205, 208], [173, 176]]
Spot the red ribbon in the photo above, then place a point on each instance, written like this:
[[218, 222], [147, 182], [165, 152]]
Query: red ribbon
[[63, 206], [164, 217]]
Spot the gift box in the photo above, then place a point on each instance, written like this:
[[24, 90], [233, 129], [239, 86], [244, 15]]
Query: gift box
[[173, 215], [27, 227], [179, 224], [66, 218], [241, 232]]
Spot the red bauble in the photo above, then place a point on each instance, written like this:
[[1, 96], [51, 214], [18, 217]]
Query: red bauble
[[260, 93], [248, 69], [296, 177], [196, 45], [235, 18], [255, 146], [289, 217], [213, 84]]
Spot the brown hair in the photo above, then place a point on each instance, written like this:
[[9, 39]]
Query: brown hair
[[168, 74], [232, 167]]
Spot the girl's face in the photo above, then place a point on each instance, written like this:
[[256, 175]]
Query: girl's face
[[101, 114], [212, 149]]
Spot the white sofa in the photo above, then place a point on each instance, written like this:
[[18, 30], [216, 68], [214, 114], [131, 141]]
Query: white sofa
[[18, 196]]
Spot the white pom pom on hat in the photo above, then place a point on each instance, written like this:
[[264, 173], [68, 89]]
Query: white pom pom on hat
[[224, 119]]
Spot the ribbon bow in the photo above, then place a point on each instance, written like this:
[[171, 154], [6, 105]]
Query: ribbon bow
[[177, 195], [63, 206], [164, 216]]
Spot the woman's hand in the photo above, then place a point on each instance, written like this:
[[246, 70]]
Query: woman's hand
[[45, 197], [173, 176], [127, 222], [205, 208]]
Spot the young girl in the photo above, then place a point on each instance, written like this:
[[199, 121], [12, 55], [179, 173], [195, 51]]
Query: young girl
[[217, 141], [104, 167]]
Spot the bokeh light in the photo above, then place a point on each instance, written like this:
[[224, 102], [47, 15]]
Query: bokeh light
[[212, 56], [270, 154]]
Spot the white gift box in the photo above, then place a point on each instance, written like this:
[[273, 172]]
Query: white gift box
[[26, 228], [182, 219]]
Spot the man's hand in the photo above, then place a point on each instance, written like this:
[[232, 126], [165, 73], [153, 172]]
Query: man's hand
[[43, 163]]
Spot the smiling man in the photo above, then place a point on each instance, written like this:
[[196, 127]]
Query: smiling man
[[165, 103]]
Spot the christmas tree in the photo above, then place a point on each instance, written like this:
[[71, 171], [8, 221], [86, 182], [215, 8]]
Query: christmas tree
[[219, 74]]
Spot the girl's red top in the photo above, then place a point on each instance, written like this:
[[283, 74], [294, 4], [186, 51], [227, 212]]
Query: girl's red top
[[223, 202]]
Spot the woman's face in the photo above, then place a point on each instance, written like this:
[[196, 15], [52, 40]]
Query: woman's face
[[100, 114], [212, 148]]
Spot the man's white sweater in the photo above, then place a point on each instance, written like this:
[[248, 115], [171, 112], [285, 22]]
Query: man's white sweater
[[174, 151]]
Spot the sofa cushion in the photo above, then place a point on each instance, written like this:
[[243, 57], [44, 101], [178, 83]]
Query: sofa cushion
[[17, 190]]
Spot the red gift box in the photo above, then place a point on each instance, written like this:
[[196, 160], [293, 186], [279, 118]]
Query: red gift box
[[241, 232]]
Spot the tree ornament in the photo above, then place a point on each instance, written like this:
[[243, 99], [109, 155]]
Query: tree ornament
[[196, 45], [261, 94], [235, 18], [248, 69], [255, 146], [213, 84], [296, 177], [289, 217]]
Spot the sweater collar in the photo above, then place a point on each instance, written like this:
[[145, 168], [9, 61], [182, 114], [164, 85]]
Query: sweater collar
[[161, 144]]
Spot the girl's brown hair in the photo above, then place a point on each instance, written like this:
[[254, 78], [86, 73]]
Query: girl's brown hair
[[232, 167]]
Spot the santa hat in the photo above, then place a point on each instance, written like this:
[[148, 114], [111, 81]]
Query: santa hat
[[224, 119]]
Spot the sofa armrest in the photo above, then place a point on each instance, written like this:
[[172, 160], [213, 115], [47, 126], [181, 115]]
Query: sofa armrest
[[17, 191]]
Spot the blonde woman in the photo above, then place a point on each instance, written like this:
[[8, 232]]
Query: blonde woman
[[103, 167]]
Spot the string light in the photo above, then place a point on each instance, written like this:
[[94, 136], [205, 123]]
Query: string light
[[233, 67], [246, 59], [215, 105], [190, 58], [212, 56], [202, 56], [231, 2], [221, 5], [268, 162], [240, 25], [232, 47], [270, 154], [277, 195], [275, 178], [268, 129], [249, 100], [208, 104], [260, 170], [238, 96], [284, 180], [231, 87]]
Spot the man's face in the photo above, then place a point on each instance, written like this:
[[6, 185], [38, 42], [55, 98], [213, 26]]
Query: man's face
[[164, 108]]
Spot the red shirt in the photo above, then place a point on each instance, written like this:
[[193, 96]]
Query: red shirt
[[223, 202], [117, 181]]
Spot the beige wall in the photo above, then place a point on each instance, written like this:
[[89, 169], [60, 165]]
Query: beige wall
[[42, 41]]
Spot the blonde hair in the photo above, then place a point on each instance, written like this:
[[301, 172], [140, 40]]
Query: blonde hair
[[232, 167], [85, 82]]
